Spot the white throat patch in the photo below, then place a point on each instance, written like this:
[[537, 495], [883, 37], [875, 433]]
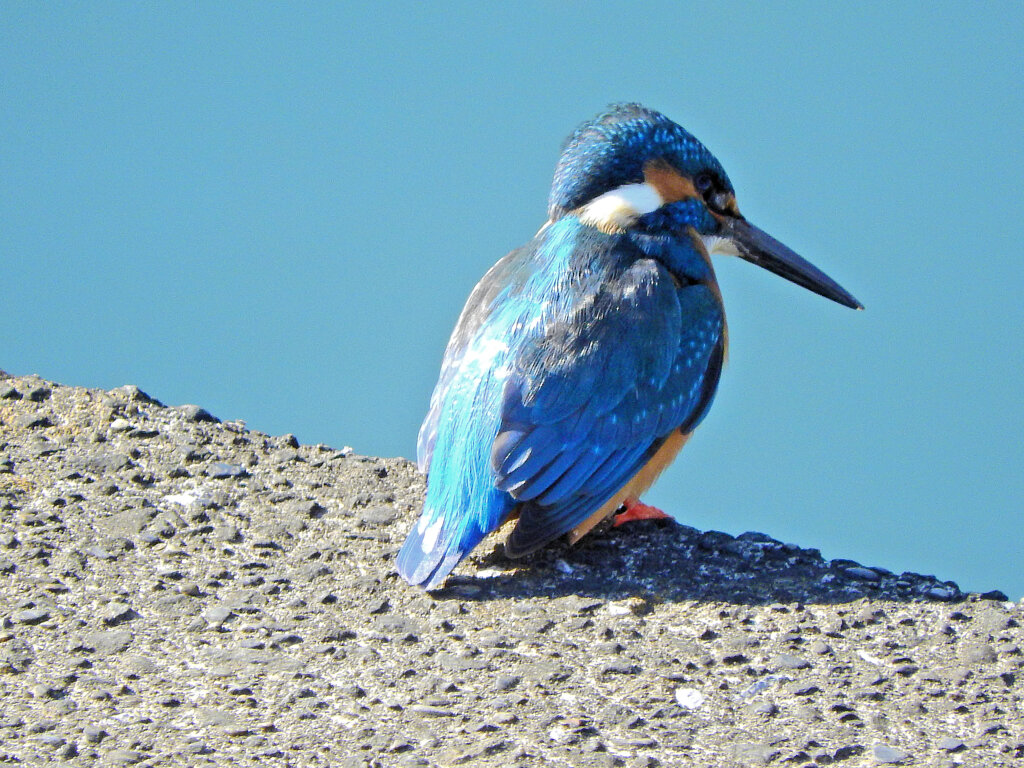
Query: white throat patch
[[720, 245], [615, 210]]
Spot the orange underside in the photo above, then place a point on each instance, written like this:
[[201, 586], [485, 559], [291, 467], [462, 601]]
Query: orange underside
[[641, 481]]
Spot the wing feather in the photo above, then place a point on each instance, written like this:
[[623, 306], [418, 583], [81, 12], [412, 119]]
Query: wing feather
[[624, 368]]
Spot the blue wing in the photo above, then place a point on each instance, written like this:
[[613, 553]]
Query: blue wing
[[588, 406], [503, 278], [575, 357]]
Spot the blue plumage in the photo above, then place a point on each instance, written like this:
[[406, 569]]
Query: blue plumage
[[580, 355]]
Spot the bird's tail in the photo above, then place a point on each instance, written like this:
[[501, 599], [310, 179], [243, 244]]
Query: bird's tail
[[440, 540], [463, 504], [425, 559]]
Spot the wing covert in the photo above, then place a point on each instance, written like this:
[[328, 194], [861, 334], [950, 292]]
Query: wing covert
[[478, 308], [586, 405]]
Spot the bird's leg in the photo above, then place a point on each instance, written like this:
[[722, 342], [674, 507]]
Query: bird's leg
[[634, 509]]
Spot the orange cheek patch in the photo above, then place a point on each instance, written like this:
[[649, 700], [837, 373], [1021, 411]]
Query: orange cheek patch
[[667, 181]]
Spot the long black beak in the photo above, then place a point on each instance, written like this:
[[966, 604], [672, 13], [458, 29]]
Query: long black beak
[[760, 248]]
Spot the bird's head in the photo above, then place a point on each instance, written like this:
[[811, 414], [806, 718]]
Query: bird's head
[[633, 168]]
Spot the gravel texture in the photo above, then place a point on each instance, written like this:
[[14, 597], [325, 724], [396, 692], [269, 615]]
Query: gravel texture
[[179, 591]]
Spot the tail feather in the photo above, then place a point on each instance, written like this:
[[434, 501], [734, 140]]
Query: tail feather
[[441, 539], [427, 557], [462, 504]]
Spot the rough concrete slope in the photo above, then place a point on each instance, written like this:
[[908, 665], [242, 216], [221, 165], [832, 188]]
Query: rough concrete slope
[[179, 591]]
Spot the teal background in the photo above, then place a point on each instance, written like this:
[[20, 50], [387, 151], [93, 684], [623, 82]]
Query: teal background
[[277, 210]]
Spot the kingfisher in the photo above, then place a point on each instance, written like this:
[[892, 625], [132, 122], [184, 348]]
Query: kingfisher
[[583, 360]]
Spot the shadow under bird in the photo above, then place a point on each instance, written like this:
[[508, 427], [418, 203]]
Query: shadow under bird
[[583, 360]]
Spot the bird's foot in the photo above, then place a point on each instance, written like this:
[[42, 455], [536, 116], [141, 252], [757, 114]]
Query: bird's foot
[[637, 510]]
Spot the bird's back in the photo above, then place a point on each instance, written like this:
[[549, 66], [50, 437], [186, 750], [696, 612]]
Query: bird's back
[[540, 401]]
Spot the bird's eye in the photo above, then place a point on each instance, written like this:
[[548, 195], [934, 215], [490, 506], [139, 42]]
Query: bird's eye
[[704, 182]]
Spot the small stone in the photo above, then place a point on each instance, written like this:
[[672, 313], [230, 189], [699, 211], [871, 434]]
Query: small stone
[[846, 752], [8, 392], [107, 643], [764, 683], [981, 653], [689, 698], [788, 661], [430, 711], [492, 640], [755, 754], [399, 625], [285, 455], [820, 647], [15, 656], [807, 714], [226, 533], [883, 753], [34, 421], [994, 594], [141, 665], [93, 734], [992, 622], [833, 626], [44, 691], [733, 657], [800, 688], [222, 469], [378, 516], [217, 615], [636, 606], [990, 727], [123, 757], [130, 393], [196, 414], [951, 744], [870, 614], [619, 668], [117, 613], [38, 393], [305, 508], [860, 572], [507, 682], [31, 616], [99, 553], [377, 605]]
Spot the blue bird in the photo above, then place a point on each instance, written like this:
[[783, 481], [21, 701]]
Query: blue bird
[[583, 360]]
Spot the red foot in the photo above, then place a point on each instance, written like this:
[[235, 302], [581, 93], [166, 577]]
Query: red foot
[[637, 510]]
